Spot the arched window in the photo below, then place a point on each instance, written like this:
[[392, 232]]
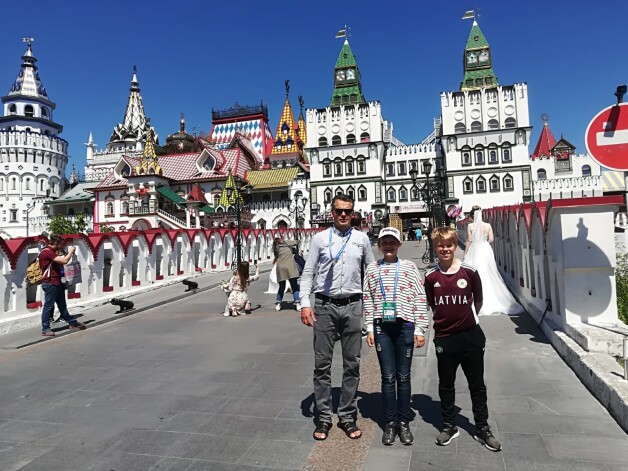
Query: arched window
[[27, 184], [492, 155], [327, 168], [541, 174], [125, 207], [339, 191], [12, 109], [349, 167], [403, 194], [479, 156], [338, 167], [44, 112], [335, 141], [361, 165], [466, 156], [510, 123], [506, 155], [328, 196], [362, 193], [14, 183], [460, 128], [586, 170], [365, 137], [391, 194], [508, 183], [351, 192], [476, 126], [493, 124], [467, 185], [350, 138], [322, 141], [109, 208], [28, 111], [41, 184], [480, 185], [494, 183], [415, 195]]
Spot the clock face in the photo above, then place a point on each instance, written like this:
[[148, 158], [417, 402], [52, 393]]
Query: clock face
[[472, 58], [340, 75], [350, 74], [484, 56]]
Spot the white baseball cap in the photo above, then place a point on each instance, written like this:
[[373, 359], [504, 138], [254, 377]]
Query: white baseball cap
[[390, 231]]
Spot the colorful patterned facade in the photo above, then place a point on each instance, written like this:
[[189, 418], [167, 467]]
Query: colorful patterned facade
[[249, 121], [287, 138], [477, 60]]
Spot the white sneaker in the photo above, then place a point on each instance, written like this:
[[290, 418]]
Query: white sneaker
[[278, 307], [226, 313], [298, 305]]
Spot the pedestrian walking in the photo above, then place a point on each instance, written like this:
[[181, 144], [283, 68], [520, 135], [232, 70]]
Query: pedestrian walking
[[238, 300], [452, 288], [333, 273], [287, 270], [395, 309], [418, 234], [51, 261]]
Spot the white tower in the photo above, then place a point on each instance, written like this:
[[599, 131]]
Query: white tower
[[32, 155], [486, 132]]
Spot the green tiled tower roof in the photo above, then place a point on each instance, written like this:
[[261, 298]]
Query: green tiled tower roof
[[478, 63], [348, 90]]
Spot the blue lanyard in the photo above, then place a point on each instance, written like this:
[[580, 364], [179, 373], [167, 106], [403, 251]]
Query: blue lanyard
[[381, 283], [342, 249]]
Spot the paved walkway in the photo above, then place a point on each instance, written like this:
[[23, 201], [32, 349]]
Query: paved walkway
[[180, 387]]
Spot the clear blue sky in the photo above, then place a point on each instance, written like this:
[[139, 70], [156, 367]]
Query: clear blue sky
[[195, 55]]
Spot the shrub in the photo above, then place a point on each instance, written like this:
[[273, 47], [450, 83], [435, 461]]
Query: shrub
[[621, 280]]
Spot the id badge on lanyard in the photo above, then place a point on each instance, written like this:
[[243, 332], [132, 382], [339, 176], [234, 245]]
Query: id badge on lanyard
[[389, 308]]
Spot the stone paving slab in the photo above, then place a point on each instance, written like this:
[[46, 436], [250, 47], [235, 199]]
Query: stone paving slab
[[188, 389]]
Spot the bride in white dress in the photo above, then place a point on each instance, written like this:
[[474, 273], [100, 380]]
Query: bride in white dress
[[479, 254]]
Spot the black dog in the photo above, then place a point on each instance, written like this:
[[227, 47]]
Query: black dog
[[123, 304], [190, 284]]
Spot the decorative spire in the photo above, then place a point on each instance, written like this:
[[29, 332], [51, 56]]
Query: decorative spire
[[134, 117], [148, 162], [74, 177], [546, 141], [182, 123], [347, 81], [27, 82], [477, 60], [287, 139], [225, 201], [302, 125]]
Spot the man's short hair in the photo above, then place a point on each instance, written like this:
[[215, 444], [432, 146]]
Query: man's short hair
[[55, 239], [446, 234], [342, 197]]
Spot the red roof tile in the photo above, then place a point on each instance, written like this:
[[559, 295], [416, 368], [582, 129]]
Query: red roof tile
[[545, 144]]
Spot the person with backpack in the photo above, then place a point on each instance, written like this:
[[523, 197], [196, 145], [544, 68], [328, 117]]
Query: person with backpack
[[51, 261]]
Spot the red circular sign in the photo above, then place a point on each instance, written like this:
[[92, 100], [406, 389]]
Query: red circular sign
[[607, 137]]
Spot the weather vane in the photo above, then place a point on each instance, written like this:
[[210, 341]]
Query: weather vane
[[343, 33], [287, 88], [301, 102], [28, 41]]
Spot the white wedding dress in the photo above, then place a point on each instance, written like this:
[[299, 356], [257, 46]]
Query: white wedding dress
[[497, 297]]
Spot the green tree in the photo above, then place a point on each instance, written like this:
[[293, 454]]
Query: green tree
[[61, 224], [104, 227]]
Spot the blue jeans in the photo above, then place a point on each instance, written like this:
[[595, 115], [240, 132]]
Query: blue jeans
[[295, 290], [394, 342], [54, 294]]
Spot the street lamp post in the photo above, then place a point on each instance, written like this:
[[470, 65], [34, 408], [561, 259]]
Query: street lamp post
[[238, 206], [431, 195], [28, 210], [298, 209]]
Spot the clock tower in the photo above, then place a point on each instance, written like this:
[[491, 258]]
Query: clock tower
[[347, 81], [477, 62]]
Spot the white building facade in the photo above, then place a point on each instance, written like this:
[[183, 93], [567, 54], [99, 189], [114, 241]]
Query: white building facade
[[33, 157], [486, 133]]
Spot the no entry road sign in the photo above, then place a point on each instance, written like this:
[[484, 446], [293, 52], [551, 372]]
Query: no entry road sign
[[607, 137]]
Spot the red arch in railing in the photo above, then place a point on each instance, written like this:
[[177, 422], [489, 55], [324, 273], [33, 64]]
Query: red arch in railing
[[13, 248]]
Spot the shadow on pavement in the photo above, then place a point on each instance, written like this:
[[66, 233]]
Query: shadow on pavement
[[429, 410], [526, 326]]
